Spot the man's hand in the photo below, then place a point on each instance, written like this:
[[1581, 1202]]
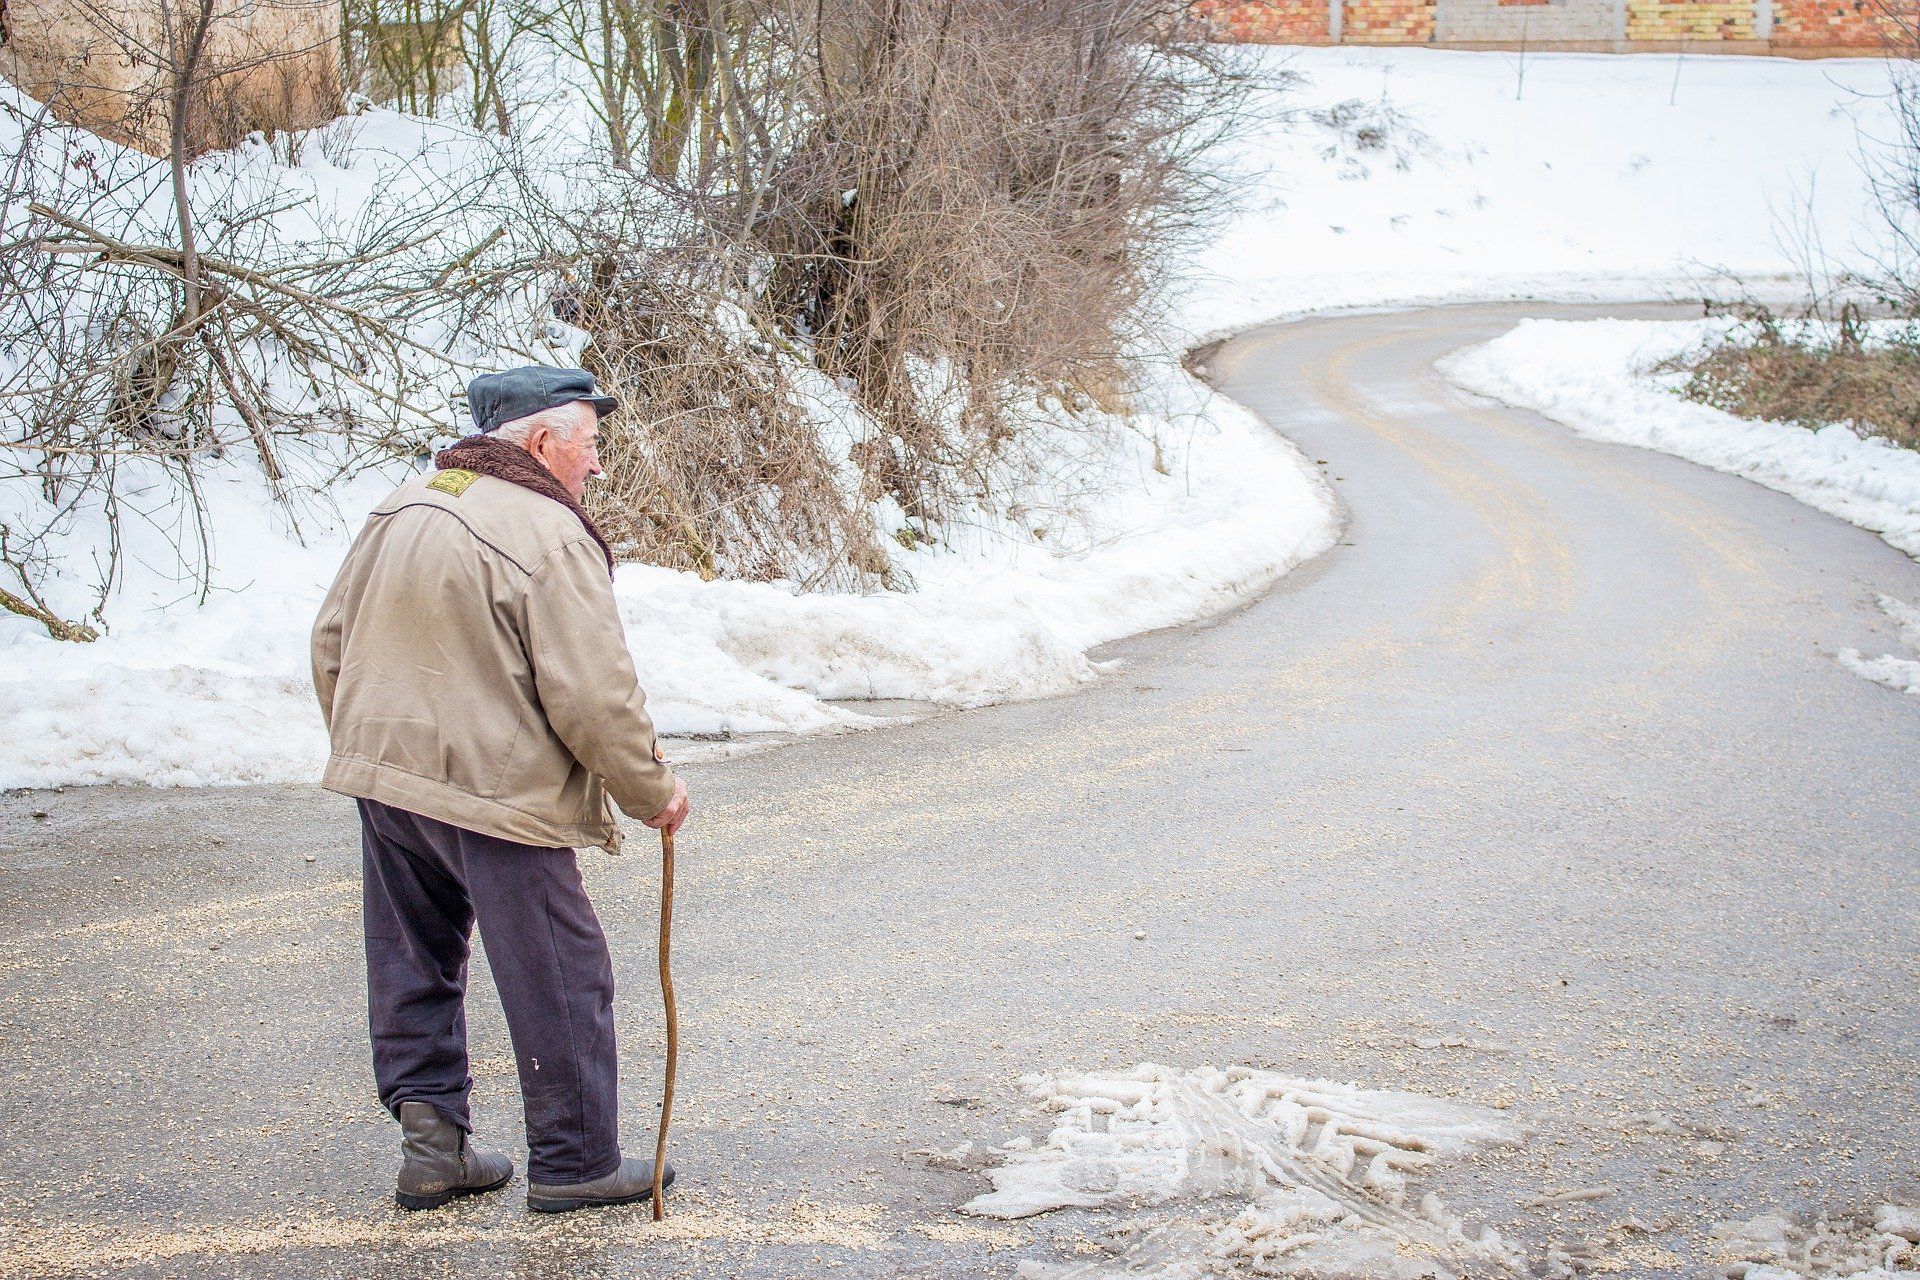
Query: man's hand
[[670, 818]]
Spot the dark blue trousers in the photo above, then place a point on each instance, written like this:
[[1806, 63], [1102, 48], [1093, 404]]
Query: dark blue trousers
[[426, 884]]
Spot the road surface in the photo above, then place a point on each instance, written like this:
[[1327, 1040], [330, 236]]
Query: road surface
[[1547, 768]]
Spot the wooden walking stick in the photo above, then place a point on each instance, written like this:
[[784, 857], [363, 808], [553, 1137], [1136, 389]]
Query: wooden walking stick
[[673, 1023]]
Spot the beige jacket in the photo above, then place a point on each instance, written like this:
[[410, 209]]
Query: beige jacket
[[471, 667]]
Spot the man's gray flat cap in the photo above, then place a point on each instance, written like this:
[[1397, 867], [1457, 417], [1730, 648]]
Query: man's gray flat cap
[[498, 398]]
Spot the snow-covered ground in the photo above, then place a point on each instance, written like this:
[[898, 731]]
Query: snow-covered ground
[[1387, 176], [1598, 377], [1399, 176]]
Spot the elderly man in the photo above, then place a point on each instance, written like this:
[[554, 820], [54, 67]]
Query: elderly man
[[483, 709]]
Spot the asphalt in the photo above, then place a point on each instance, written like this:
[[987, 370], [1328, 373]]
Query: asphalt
[[1541, 790]]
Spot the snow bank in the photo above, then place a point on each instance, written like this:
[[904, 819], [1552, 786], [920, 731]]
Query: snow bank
[[1592, 375], [188, 694], [1272, 1175]]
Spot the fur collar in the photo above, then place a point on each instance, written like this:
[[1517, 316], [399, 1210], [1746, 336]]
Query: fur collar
[[489, 456]]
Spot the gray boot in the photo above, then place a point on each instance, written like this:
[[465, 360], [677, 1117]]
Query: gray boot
[[439, 1164], [632, 1181]]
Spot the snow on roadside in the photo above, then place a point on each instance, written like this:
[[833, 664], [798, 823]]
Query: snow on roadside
[[183, 694], [1263, 1174], [1109, 526], [1396, 177], [1592, 375], [1902, 675]]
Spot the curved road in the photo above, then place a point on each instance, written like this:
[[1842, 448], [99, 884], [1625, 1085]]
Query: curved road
[[1547, 767]]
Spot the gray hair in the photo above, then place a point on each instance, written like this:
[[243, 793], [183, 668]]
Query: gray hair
[[561, 419]]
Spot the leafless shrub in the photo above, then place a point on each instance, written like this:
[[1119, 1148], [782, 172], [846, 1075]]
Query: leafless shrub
[[410, 53], [1811, 372], [718, 464], [1366, 129], [1894, 166], [1851, 352], [991, 186], [131, 354], [424, 56], [949, 206], [180, 77], [671, 82]]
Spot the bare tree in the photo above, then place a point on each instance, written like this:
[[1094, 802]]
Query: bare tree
[[153, 320], [410, 53], [1893, 163], [947, 210], [671, 81]]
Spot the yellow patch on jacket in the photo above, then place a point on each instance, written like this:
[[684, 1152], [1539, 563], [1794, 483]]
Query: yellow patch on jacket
[[453, 481]]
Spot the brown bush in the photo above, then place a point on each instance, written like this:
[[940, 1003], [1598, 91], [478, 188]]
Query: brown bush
[[951, 207], [993, 185], [715, 467], [1781, 370]]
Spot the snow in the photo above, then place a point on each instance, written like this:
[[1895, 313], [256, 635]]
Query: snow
[[1593, 376], [1248, 1172], [1388, 177], [1902, 675], [1403, 176], [1264, 1174], [187, 695], [1775, 1246]]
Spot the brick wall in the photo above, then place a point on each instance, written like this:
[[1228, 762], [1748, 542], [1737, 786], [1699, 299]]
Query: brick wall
[[1530, 21], [1266, 21], [1816, 24], [1387, 22], [1690, 20], [1825, 25]]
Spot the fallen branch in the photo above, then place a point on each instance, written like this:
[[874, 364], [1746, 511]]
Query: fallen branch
[[1574, 1196]]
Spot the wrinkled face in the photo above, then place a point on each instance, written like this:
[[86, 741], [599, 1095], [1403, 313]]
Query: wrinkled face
[[575, 458]]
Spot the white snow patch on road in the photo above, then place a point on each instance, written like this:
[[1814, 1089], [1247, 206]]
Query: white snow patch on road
[[1271, 1175], [1775, 1246], [1902, 675], [1594, 376]]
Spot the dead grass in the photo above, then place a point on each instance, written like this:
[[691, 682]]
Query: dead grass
[[1790, 370], [718, 468]]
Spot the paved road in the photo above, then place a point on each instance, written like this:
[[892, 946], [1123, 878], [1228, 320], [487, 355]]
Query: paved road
[[1550, 757]]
